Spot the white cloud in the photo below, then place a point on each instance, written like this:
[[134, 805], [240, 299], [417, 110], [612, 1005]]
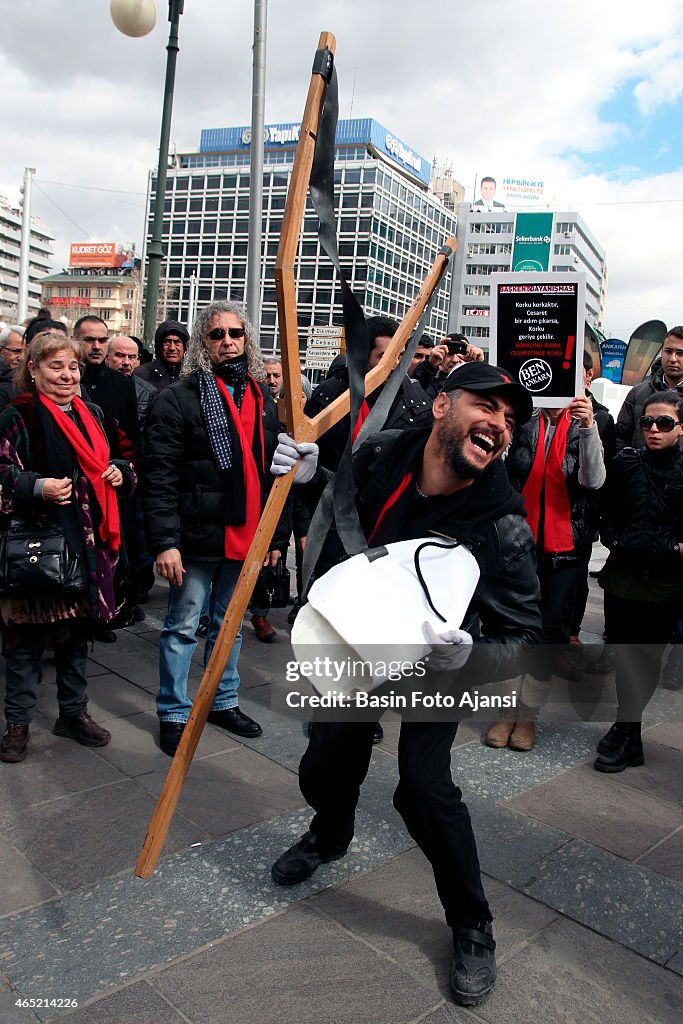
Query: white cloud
[[486, 85]]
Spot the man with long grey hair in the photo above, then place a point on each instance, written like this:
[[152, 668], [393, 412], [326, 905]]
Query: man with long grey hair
[[209, 437]]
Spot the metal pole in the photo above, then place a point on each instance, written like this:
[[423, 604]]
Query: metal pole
[[192, 302], [258, 100], [22, 298], [154, 250]]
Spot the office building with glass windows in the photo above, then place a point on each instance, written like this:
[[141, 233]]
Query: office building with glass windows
[[498, 240], [390, 225]]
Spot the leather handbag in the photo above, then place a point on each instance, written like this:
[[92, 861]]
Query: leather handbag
[[275, 581], [36, 560]]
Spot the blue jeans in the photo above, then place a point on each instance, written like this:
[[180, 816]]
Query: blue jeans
[[178, 640]]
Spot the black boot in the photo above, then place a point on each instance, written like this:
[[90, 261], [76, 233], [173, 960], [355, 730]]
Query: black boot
[[626, 749], [613, 738]]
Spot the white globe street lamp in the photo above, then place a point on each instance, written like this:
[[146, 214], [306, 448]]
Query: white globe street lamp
[[134, 17], [131, 22]]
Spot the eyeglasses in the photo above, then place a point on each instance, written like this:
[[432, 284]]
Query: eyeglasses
[[218, 333], [12, 351], [663, 423]]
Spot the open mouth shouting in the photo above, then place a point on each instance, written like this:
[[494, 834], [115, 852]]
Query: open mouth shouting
[[484, 442]]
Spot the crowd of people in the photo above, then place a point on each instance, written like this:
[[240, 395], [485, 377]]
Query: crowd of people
[[160, 467]]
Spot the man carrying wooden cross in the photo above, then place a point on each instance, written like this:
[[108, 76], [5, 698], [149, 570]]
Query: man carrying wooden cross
[[447, 479]]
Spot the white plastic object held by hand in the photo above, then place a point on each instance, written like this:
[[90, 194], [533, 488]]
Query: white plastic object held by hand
[[450, 650], [289, 455]]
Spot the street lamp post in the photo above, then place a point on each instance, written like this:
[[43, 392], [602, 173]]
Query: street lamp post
[[154, 250], [256, 163]]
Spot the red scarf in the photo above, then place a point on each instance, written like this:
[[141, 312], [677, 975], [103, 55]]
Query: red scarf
[[92, 455], [362, 416], [546, 487], [238, 538]]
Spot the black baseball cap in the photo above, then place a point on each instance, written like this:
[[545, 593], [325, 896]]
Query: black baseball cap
[[485, 377]]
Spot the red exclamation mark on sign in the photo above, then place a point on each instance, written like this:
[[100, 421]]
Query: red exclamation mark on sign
[[568, 352]]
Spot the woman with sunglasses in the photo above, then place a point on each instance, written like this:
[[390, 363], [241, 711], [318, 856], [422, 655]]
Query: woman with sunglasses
[[642, 525]]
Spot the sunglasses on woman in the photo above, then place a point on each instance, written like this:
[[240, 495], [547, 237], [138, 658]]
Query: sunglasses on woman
[[665, 424], [218, 333]]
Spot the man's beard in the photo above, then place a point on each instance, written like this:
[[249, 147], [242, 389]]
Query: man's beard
[[452, 448]]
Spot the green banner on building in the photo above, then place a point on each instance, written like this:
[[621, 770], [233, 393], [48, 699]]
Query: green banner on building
[[533, 236]]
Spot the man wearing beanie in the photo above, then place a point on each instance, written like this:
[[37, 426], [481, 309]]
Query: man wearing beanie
[[170, 342]]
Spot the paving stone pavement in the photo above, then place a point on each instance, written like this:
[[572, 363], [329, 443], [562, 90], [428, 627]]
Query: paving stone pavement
[[584, 872]]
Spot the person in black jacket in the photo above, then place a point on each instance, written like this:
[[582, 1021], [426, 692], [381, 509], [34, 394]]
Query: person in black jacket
[[668, 376], [116, 397], [642, 525], [444, 479], [170, 342], [114, 393], [208, 437], [411, 407]]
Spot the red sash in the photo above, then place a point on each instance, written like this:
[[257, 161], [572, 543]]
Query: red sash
[[362, 416], [238, 537], [93, 458], [389, 503]]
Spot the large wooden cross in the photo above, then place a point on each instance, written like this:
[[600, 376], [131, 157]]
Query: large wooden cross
[[300, 427]]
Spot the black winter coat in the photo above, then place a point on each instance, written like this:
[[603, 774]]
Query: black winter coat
[[115, 395], [642, 517], [188, 501], [158, 373]]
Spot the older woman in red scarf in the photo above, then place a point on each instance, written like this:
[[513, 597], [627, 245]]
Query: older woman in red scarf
[[56, 460]]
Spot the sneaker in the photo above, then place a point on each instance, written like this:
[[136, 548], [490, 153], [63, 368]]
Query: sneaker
[[14, 743], [473, 968], [263, 629], [300, 861], [378, 734], [203, 627], [83, 729]]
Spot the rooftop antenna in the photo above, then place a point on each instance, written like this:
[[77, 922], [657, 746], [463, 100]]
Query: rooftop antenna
[[353, 92]]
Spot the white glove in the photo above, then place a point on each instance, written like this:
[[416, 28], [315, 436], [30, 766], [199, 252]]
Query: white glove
[[450, 650], [289, 454]]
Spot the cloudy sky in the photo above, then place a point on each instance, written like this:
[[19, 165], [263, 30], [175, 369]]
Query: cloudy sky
[[585, 96]]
